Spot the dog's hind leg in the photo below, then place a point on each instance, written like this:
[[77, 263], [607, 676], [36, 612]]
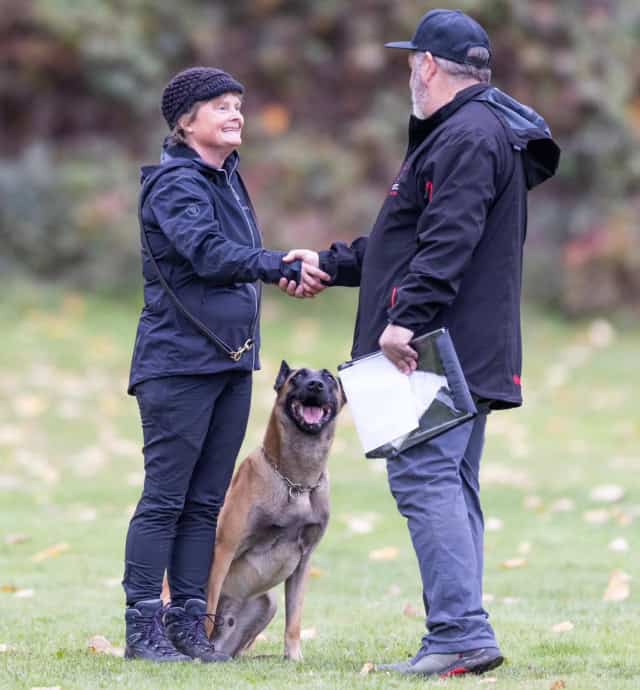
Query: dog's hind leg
[[243, 622]]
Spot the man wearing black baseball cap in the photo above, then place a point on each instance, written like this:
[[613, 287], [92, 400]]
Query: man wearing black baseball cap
[[446, 251]]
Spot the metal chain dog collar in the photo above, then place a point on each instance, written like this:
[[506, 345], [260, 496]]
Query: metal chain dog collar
[[292, 487]]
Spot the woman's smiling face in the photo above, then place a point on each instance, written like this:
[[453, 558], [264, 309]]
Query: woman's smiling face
[[218, 123]]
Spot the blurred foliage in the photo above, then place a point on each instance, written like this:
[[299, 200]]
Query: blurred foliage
[[326, 111]]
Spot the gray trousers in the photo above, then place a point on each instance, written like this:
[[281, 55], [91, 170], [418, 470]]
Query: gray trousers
[[436, 488]]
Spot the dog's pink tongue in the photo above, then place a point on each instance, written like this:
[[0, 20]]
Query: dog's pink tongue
[[312, 415]]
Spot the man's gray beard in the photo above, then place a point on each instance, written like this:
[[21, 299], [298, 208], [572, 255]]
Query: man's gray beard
[[418, 93]]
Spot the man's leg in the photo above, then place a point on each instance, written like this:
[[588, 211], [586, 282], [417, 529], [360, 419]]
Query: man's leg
[[427, 484], [470, 473]]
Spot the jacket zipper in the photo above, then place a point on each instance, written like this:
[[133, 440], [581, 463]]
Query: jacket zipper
[[252, 288]]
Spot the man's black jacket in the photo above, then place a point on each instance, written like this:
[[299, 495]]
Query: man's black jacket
[[446, 248]]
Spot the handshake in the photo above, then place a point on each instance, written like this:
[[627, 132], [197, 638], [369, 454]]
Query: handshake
[[313, 280]]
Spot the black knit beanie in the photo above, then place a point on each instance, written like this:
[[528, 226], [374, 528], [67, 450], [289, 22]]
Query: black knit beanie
[[193, 85]]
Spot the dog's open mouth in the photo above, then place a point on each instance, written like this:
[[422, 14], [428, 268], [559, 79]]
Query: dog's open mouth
[[313, 417]]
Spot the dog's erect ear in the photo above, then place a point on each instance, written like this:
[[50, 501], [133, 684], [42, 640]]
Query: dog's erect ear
[[284, 372]]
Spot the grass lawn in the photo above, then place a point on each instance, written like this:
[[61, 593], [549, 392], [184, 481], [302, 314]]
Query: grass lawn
[[70, 474]]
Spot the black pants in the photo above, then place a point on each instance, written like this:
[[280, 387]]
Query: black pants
[[193, 427]]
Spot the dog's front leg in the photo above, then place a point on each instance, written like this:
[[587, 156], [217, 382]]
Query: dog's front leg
[[232, 527], [294, 588]]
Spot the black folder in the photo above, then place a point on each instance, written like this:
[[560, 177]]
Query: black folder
[[437, 389]]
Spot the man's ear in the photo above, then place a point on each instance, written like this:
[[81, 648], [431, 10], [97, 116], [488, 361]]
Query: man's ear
[[283, 374], [428, 68]]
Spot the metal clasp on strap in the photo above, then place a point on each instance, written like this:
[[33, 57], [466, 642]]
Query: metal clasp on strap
[[236, 354]]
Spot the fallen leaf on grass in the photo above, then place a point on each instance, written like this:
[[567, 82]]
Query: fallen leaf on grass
[[513, 563], [9, 482], [308, 634], [135, 479], [12, 539], [503, 475], [619, 544], [367, 668], [410, 611], [493, 524], [29, 406], [623, 517], [86, 514], [388, 553], [563, 627], [315, 572], [558, 685], [600, 334], [533, 502], [362, 523], [596, 517], [607, 493], [563, 505], [8, 588], [524, 548], [51, 552], [5, 648], [618, 588], [24, 593], [100, 645], [488, 681], [510, 601]]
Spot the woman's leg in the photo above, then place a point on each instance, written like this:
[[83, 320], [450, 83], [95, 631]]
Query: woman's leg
[[176, 413], [194, 542]]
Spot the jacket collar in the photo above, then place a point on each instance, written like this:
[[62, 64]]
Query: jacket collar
[[419, 129], [176, 151]]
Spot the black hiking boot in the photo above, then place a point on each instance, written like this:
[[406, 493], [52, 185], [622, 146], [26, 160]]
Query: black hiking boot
[[146, 636], [185, 629]]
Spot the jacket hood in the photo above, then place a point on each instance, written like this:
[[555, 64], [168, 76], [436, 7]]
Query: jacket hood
[[528, 132]]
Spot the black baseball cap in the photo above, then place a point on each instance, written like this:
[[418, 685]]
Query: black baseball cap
[[448, 34]]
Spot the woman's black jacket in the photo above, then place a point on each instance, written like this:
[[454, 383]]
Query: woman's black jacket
[[203, 233]]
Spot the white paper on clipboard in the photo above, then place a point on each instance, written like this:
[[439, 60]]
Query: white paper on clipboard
[[381, 400]]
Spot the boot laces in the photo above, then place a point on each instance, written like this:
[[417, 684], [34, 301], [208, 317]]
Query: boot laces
[[157, 634], [196, 630]]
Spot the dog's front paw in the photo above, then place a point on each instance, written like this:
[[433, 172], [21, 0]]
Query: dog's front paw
[[293, 652]]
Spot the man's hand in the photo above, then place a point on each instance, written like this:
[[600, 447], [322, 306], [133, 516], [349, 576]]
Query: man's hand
[[311, 278], [394, 343]]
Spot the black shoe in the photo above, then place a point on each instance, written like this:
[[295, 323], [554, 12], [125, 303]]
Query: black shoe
[[445, 665], [185, 629], [146, 636]]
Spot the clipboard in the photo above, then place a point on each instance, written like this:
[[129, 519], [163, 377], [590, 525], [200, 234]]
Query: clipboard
[[393, 411]]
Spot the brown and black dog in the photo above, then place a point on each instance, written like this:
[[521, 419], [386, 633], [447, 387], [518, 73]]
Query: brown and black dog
[[274, 514]]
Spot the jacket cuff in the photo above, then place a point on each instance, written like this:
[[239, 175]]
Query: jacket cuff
[[270, 265], [329, 264], [403, 317]]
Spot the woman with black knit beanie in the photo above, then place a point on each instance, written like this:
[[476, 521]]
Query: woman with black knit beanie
[[196, 346]]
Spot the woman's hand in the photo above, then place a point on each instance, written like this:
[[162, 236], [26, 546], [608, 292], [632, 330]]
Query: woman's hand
[[311, 276]]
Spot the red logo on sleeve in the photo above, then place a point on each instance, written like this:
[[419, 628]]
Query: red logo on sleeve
[[428, 191], [517, 380]]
